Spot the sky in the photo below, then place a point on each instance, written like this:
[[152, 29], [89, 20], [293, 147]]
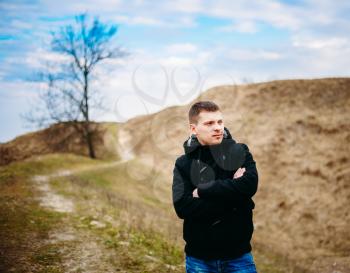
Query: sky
[[177, 49]]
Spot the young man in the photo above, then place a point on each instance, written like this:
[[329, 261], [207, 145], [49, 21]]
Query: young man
[[213, 184]]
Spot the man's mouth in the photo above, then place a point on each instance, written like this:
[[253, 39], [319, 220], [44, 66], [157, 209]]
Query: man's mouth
[[219, 135]]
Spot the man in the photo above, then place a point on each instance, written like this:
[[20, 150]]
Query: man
[[213, 184]]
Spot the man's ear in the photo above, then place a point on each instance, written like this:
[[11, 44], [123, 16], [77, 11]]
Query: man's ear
[[193, 129]]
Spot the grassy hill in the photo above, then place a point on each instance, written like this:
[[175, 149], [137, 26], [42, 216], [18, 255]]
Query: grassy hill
[[67, 213], [297, 130]]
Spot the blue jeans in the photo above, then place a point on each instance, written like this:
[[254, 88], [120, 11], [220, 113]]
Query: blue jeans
[[242, 264]]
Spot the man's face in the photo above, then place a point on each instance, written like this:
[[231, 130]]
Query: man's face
[[209, 128]]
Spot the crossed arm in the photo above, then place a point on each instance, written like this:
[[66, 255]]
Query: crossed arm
[[215, 194], [186, 206], [237, 174], [243, 184]]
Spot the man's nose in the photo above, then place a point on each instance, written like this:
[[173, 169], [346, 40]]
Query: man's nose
[[218, 127]]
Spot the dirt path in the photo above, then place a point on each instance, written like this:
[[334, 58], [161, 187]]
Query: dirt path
[[50, 199], [80, 250]]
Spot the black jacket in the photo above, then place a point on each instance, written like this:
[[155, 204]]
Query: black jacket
[[218, 225]]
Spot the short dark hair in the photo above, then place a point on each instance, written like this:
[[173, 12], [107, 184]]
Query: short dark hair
[[200, 106]]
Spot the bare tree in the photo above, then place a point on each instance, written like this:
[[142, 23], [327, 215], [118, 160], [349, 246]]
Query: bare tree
[[69, 96]]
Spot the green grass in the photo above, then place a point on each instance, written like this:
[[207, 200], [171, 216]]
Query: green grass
[[140, 250], [23, 226], [43, 165], [111, 191], [109, 151], [48, 255], [116, 179], [94, 191]]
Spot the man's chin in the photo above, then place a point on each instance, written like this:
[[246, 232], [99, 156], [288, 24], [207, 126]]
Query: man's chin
[[216, 141], [212, 141]]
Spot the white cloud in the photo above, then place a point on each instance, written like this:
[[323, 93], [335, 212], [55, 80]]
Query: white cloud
[[139, 20], [174, 61], [251, 55], [156, 21], [272, 12], [181, 48], [244, 27], [185, 6], [317, 43], [40, 57], [20, 24], [186, 21], [57, 8], [19, 89]]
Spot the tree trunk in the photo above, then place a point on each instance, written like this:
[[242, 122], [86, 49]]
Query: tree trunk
[[89, 140]]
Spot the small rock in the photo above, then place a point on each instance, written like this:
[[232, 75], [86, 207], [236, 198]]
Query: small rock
[[97, 224], [171, 267], [151, 258], [108, 218]]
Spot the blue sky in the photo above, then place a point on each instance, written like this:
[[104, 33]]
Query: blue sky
[[187, 46]]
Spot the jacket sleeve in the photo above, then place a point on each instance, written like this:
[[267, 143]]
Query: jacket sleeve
[[233, 188], [187, 206]]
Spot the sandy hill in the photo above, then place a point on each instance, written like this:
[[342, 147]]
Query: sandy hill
[[62, 138], [299, 134]]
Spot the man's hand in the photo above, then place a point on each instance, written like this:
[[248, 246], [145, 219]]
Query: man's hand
[[195, 193], [239, 173]]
